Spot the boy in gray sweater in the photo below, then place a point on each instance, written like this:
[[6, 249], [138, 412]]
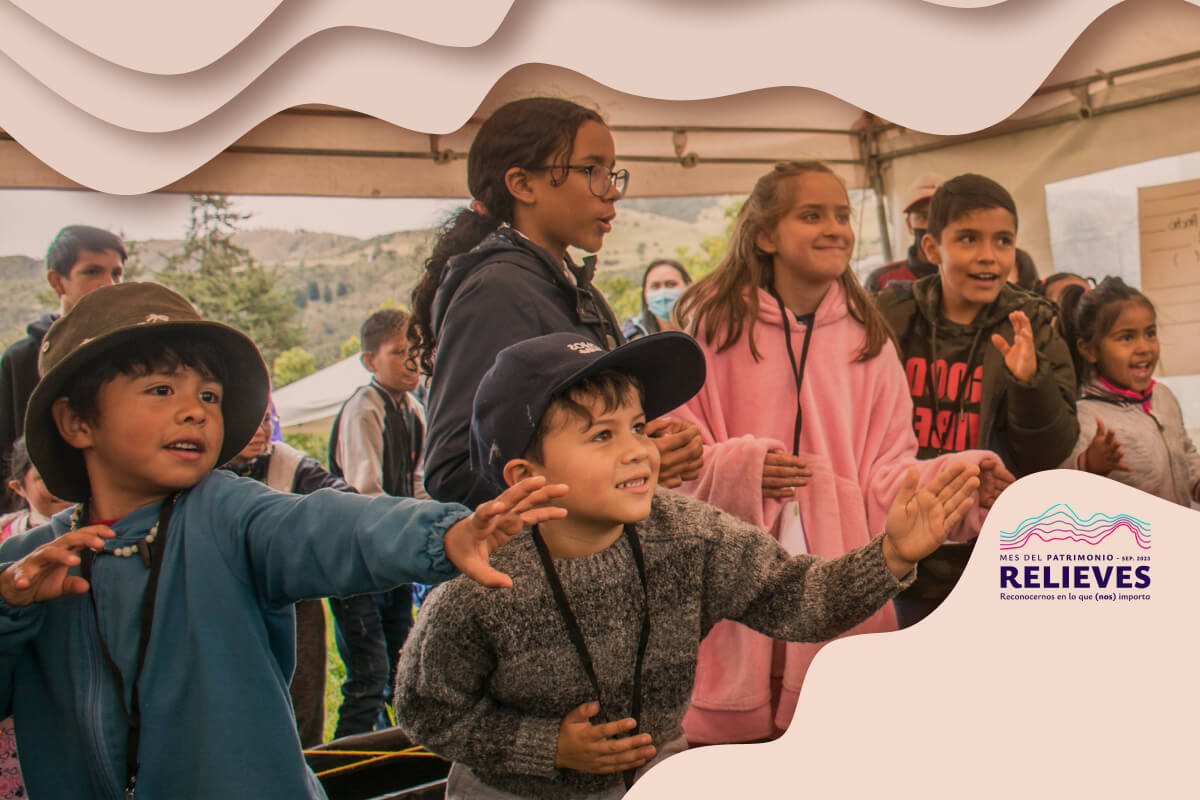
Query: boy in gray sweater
[[570, 683]]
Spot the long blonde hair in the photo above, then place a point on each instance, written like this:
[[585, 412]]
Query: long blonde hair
[[719, 307]]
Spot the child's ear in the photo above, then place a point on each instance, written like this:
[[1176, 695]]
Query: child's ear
[[1085, 349], [73, 428], [518, 469], [516, 180], [56, 282], [368, 360], [765, 242], [17, 489], [932, 250]]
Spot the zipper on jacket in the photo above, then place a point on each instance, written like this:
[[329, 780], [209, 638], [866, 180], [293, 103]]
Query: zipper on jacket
[[94, 733]]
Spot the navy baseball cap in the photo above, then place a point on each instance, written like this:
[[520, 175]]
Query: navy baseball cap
[[517, 390]]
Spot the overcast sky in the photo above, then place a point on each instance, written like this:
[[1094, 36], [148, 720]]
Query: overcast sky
[[29, 218]]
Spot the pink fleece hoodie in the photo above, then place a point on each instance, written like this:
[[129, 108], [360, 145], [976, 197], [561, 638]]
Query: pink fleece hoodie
[[858, 440]]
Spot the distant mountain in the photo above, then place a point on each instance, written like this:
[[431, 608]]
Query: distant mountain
[[338, 280]]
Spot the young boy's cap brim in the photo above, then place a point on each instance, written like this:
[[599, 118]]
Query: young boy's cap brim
[[112, 316], [515, 393]]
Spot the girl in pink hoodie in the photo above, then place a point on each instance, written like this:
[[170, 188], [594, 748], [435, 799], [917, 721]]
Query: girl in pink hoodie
[[807, 423]]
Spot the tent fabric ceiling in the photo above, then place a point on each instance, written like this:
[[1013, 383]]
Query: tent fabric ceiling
[[325, 151]]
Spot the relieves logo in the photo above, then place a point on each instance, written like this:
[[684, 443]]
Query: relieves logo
[[1100, 557]]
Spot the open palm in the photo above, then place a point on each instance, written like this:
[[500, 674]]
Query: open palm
[[921, 517]]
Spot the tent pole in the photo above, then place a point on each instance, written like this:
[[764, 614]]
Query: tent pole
[[867, 146]]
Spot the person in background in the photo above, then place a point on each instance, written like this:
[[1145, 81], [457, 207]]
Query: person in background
[[81, 258], [286, 469], [662, 284], [27, 485], [1052, 287], [25, 482], [376, 445], [916, 219]]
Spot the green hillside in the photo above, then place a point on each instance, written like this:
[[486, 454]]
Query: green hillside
[[337, 280]]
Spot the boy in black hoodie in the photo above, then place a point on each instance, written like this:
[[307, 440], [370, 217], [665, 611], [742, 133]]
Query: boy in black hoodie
[[985, 365], [80, 259]]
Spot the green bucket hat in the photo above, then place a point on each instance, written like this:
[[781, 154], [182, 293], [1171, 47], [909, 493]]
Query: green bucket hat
[[110, 317]]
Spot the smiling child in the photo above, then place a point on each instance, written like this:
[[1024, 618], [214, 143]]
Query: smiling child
[[536, 691], [1130, 427], [985, 365], [147, 637]]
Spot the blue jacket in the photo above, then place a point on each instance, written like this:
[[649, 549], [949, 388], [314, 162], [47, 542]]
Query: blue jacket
[[216, 718]]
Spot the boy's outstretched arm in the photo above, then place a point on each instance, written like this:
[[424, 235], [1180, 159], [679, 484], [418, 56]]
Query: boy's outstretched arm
[[469, 542], [922, 517], [43, 574]]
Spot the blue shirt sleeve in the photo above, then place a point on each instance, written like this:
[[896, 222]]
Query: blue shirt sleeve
[[328, 543]]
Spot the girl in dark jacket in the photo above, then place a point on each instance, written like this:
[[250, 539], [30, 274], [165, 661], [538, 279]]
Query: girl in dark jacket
[[541, 176]]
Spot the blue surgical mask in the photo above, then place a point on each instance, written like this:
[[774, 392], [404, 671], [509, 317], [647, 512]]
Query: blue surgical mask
[[661, 301]]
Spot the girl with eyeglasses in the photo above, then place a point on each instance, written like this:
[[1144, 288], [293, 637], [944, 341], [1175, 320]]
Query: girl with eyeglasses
[[542, 177]]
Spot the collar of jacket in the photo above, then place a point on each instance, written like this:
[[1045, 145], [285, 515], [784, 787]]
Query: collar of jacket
[[831, 308]]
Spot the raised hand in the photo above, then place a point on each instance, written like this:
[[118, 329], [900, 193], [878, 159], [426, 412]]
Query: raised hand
[[782, 473], [680, 449], [592, 748], [1104, 454], [42, 575], [1021, 356], [469, 542], [994, 478], [921, 518]]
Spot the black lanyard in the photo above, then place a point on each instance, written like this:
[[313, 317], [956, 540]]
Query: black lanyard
[[576, 635], [133, 713], [810, 321]]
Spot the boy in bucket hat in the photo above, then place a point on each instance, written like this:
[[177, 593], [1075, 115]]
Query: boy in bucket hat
[[566, 684], [147, 637]]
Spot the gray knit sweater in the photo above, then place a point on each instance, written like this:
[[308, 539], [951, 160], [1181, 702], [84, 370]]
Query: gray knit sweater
[[487, 675]]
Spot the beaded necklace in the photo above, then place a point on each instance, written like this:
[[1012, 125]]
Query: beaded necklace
[[142, 547]]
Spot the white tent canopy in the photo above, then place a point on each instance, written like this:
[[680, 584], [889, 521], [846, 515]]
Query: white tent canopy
[[1126, 91], [310, 404]]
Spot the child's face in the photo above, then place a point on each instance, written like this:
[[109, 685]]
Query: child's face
[[1055, 290], [154, 434], [258, 443], [610, 465], [1128, 353], [569, 213], [975, 255], [394, 364], [37, 495], [91, 271], [813, 242]]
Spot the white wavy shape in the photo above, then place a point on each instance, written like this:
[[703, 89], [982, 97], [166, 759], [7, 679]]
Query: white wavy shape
[[341, 67], [967, 694], [550, 32], [167, 38], [966, 3]]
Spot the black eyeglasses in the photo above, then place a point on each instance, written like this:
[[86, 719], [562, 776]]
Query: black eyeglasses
[[599, 178]]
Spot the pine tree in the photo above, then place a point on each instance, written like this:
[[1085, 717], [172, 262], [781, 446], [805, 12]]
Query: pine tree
[[225, 283]]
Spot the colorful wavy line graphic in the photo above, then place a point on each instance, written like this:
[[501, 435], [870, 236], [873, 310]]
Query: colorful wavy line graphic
[[1061, 523]]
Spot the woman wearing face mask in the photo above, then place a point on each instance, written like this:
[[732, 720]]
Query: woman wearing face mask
[[662, 284]]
